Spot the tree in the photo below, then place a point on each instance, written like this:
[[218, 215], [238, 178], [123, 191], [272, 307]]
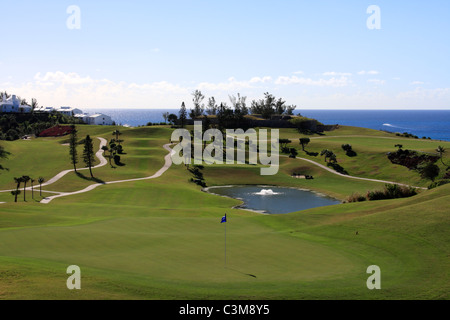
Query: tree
[[17, 192], [182, 115], [212, 107], [327, 153], [239, 104], [73, 148], [332, 158], [165, 116], [117, 133], [294, 153], [25, 179], [34, 104], [172, 118], [429, 171], [270, 106], [199, 108], [88, 153], [441, 152], [283, 144], [347, 147], [304, 142], [399, 146], [32, 190], [40, 181], [3, 155]]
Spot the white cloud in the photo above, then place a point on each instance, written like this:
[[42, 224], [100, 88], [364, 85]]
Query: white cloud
[[336, 74], [260, 80], [371, 72], [333, 82], [298, 72], [431, 95], [377, 81], [416, 83], [85, 91], [59, 88]]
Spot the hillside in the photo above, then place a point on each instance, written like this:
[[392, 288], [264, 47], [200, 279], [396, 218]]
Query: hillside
[[162, 238]]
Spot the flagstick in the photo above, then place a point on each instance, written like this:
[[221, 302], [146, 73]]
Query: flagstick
[[225, 244]]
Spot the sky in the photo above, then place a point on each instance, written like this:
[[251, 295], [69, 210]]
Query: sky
[[321, 54]]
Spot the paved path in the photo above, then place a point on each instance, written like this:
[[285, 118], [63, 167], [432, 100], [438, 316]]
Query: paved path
[[99, 155], [167, 164], [353, 177]]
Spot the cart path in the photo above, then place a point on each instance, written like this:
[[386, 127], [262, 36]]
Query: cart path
[[159, 173], [99, 155], [353, 177]]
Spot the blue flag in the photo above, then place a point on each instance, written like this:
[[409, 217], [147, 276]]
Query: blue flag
[[224, 219]]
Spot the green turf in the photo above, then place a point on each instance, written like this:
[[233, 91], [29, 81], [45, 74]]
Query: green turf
[[162, 238]]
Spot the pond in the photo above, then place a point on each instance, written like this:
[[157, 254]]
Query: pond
[[274, 200]]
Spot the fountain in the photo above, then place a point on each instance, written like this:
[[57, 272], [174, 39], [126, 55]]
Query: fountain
[[266, 192]]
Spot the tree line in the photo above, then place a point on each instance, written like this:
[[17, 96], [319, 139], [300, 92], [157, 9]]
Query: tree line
[[229, 116]]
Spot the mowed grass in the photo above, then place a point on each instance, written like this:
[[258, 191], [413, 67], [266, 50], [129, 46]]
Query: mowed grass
[[162, 238]]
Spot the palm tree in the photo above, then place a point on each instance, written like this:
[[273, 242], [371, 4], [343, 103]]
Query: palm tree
[[41, 181], [441, 152], [32, 190], [17, 192], [25, 179], [165, 116], [117, 133]]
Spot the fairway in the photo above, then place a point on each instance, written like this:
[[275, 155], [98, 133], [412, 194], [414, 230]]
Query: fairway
[[162, 238]]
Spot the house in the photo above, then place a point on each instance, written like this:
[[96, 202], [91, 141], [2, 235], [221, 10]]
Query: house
[[96, 119], [44, 109], [100, 119], [13, 104], [69, 111]]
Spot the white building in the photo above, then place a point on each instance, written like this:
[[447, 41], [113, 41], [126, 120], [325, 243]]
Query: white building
[[13, 104], [44, 109], [69, 111], [96, 119]]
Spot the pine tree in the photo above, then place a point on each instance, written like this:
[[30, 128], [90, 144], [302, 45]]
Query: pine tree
[[73, 148], [88, 153], [183, 115]]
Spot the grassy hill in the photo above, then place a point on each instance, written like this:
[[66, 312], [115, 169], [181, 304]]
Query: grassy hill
[[162, 238]]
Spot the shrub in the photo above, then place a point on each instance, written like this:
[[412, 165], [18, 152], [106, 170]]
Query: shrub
[[392, 191], [438, 184], [355, 197]]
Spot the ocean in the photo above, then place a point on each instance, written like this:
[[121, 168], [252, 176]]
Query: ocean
[[422, 123]]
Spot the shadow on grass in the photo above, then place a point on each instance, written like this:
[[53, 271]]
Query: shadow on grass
[[351, 153], [245, 274], [82, 176], [312, 154]]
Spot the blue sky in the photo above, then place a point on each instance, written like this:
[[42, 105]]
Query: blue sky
[[153, 54]]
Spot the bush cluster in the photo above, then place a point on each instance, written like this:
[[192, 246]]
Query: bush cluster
[[390, 191]]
